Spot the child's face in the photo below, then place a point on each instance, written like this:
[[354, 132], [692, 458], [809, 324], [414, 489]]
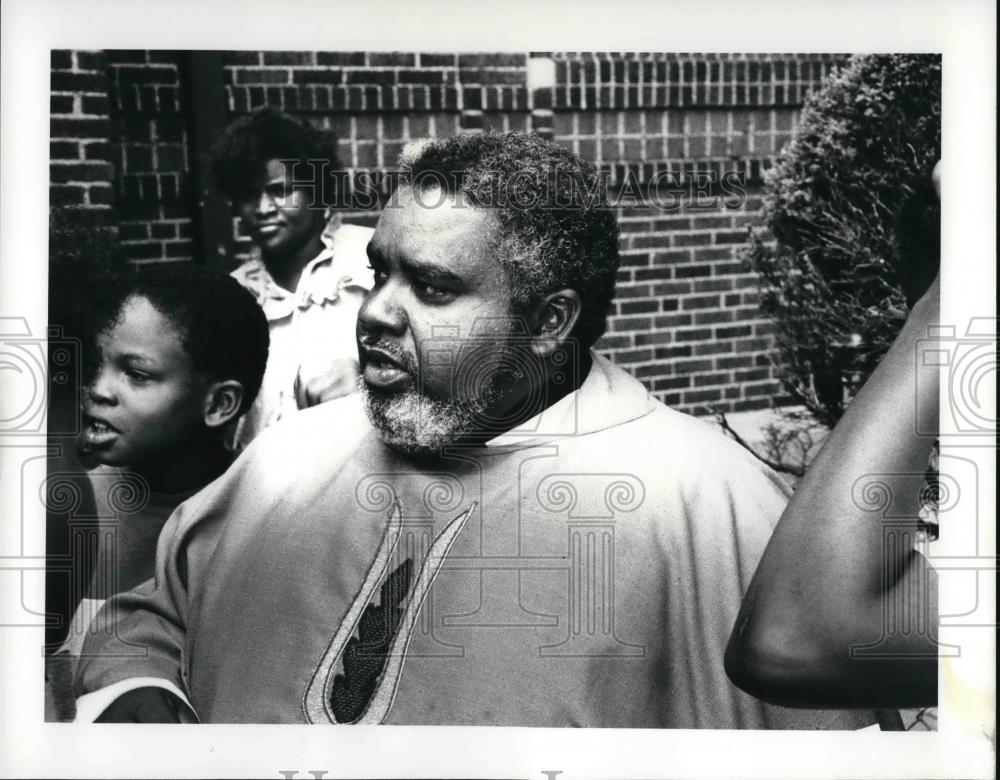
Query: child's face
[[281, 219], [145, 402]]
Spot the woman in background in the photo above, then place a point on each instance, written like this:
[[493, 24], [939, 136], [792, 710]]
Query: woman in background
[[309, 272]]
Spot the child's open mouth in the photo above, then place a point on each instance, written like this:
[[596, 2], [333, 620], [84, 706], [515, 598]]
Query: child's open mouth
[[98, 431]]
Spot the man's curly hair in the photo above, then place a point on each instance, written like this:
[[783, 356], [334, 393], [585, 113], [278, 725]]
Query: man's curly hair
[[556, 230], [238, 159]]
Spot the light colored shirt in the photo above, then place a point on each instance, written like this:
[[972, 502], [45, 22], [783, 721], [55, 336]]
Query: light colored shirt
[[588, 574], [313, 328]]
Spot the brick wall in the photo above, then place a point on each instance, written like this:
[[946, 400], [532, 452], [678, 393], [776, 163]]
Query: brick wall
[[150, 142], [685, 319], [80, 171]]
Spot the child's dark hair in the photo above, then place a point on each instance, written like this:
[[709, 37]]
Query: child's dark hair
[[239, 157], [221, 325]]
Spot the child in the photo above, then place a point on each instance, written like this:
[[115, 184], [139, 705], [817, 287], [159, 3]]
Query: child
[[177, 356], [309, 272]]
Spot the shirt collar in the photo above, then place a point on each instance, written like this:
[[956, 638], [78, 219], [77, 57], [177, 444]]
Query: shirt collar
[[607, 397], [555, 420], [314, 287]]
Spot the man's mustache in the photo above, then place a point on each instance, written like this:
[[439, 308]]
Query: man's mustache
[[405, 359]]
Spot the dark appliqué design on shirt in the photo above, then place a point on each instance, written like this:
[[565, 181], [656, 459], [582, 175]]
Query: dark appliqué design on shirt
[[355, 679], [367, 652]]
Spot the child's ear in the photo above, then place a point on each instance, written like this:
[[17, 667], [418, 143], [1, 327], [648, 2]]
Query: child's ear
[[222, 402]]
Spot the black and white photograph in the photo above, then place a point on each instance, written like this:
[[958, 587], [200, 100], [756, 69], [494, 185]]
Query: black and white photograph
[[603, 402]]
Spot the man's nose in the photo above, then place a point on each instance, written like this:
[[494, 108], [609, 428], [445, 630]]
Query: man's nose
[[383, 311]]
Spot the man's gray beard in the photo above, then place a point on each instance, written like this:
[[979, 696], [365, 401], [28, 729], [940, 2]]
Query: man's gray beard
[[416, 424]]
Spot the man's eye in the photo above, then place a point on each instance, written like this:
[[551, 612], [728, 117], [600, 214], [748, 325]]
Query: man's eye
[[137, 376], [433, 293]]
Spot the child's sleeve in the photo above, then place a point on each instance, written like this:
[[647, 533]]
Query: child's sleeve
[[137, 640], [141, 645]]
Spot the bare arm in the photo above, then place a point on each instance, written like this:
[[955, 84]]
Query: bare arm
[[818, 625], [143, 705]]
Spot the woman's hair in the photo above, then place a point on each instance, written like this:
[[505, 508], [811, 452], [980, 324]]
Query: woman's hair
[[239, 157]]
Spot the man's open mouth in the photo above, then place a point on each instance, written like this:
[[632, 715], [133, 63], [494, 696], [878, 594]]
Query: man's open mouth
[[383, 371]]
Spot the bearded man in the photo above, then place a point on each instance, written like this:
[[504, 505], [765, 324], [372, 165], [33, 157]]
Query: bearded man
[[502, 529]]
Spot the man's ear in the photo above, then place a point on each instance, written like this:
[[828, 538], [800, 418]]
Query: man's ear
[[553, 320], [222, 402]]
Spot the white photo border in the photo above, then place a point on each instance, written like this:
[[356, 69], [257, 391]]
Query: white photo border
[[965, 35]]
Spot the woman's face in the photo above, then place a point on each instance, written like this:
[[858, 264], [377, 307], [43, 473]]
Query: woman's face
[[281, 219]]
